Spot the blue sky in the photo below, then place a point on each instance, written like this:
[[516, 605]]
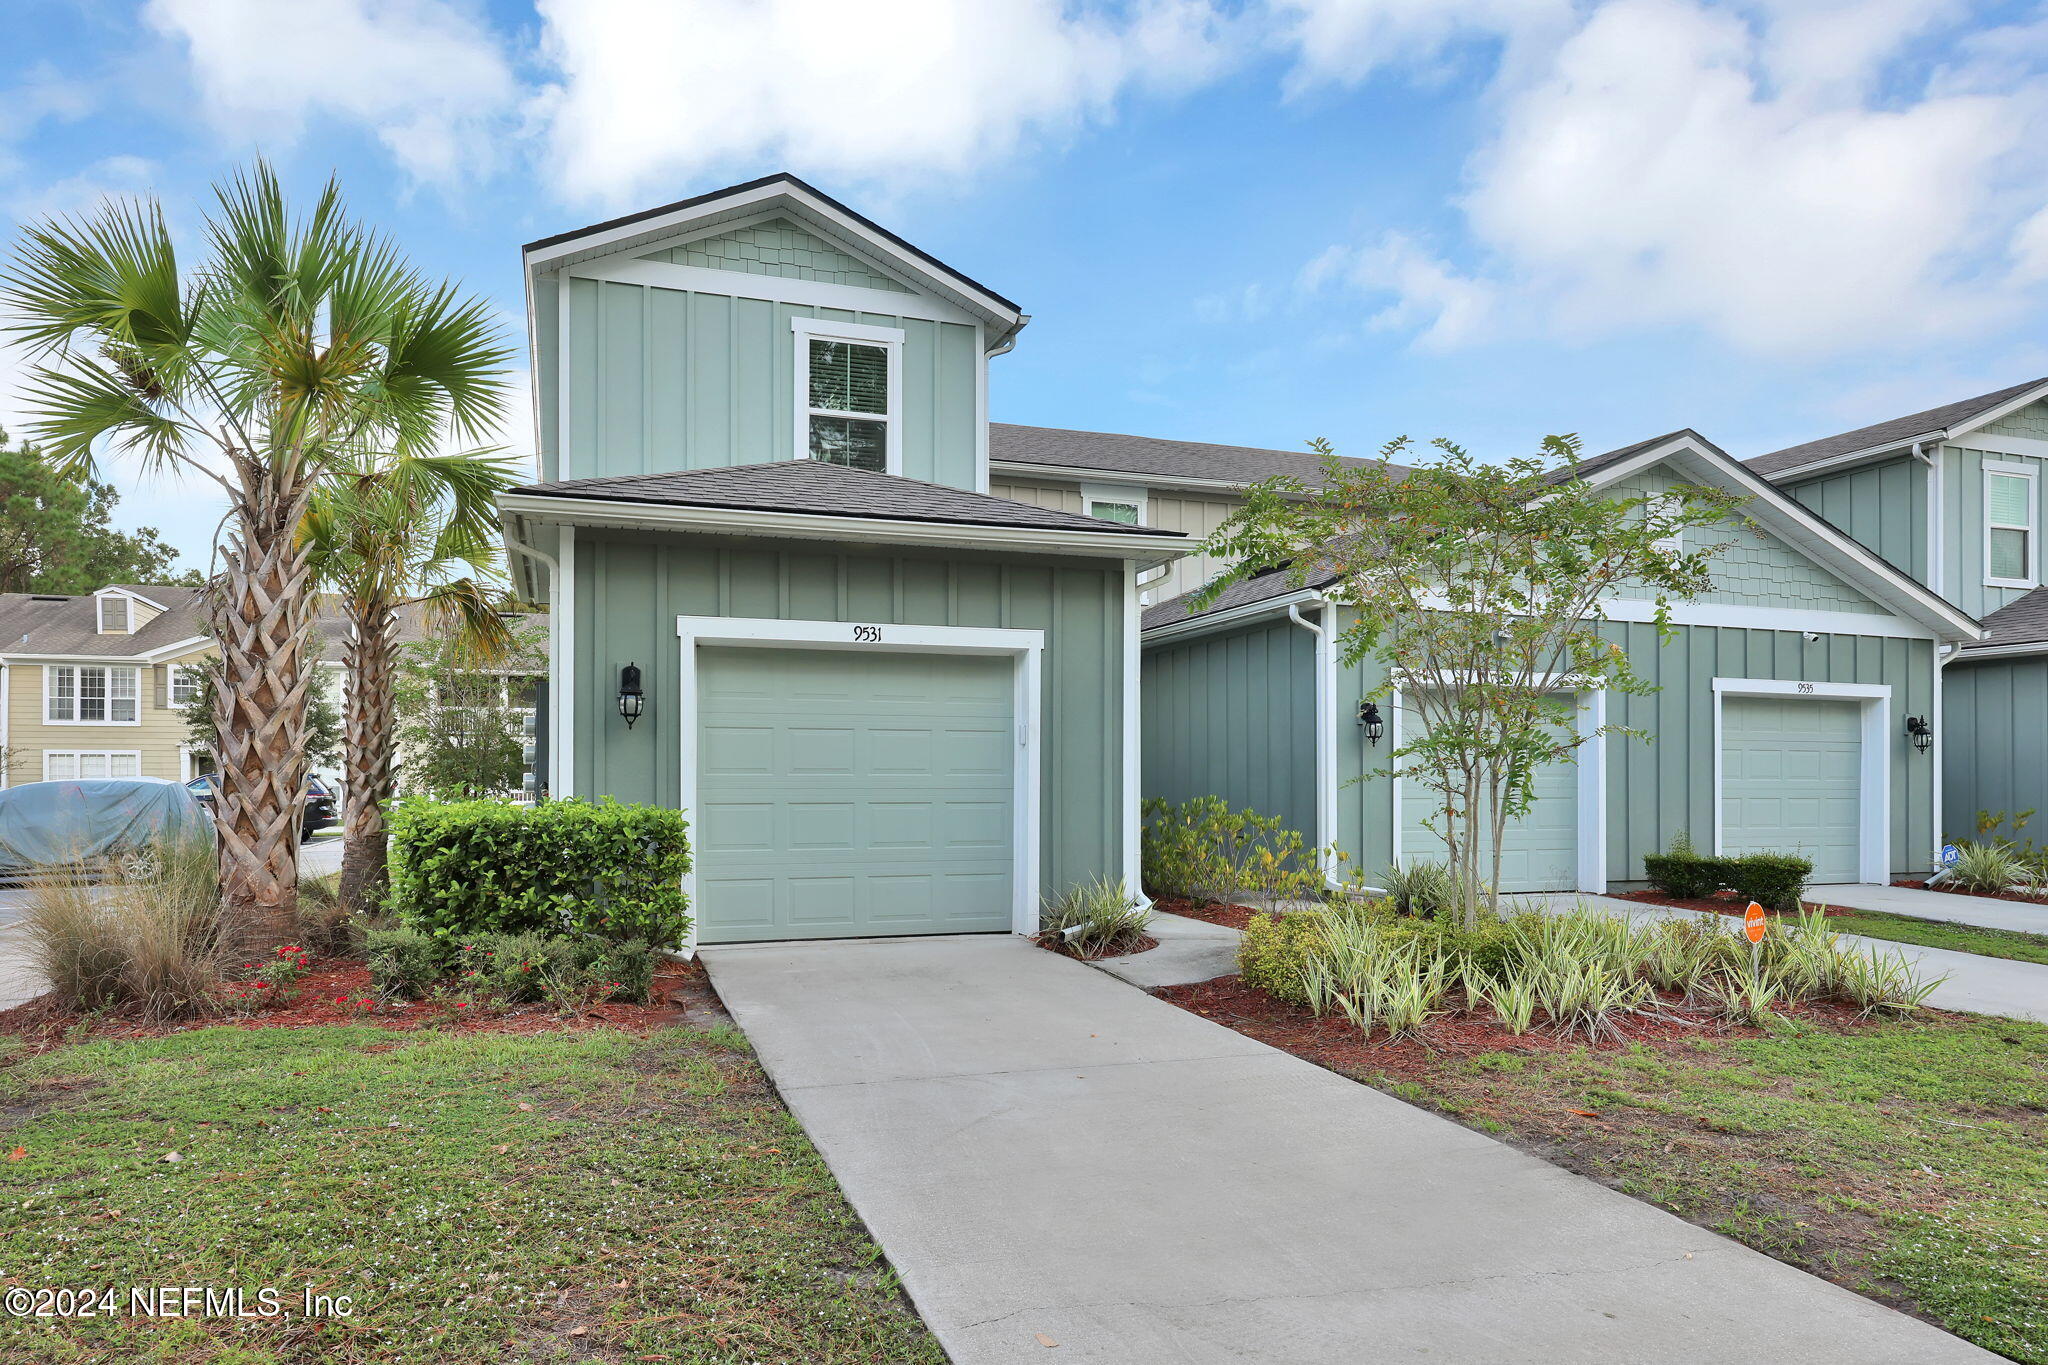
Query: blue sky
[[1245, 221]]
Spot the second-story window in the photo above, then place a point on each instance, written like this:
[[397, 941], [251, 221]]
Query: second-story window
[[847, 386], [1114, 502], [90, 695], [2010, 552]]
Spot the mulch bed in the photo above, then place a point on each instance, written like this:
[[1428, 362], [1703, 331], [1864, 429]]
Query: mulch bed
[[1230, 916], [1333, 1042], [682, 996], [1052, 943], [1918, 884], [1720, 903]]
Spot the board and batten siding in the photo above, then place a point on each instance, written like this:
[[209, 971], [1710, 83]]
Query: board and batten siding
[[1194, 515], [1882, 505], [1962, 487], [1661, 785], [671, 379], [1233, 715], [629, 590], [1995, 754]]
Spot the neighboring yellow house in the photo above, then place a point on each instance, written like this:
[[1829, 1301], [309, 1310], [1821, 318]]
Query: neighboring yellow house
[[89, 685]]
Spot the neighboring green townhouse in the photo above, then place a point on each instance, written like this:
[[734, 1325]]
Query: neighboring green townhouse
[[1779, 723], [1954, 495]]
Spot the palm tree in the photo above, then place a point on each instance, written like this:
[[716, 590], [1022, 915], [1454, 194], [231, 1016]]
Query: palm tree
[[296, 344], [388, 535]]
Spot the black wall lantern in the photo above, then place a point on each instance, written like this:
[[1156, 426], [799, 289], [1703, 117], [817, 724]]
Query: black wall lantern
[[1369, 719], [632, 700], [1921, 731]]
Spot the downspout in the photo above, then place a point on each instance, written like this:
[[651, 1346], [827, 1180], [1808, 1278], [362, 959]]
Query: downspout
[[1326, 729]]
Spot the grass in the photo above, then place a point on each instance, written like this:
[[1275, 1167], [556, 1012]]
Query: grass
[[479, 1196], [1901, 1159], [1963, 938]]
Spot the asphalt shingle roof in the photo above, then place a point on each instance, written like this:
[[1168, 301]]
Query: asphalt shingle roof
[[39, 623], [2023, 621], [815, 488], [1897, 431], [1085, 450]]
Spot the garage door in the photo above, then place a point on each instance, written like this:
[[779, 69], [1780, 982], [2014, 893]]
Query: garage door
[[1541, 850], [844, 794], [1791, 780]]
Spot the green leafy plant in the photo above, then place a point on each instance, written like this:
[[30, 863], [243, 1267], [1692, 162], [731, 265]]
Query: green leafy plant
[[405, 963], [152, 938], [1681, 872], [1773, 880], [619, 969], [1203, 851], [1094, 919], [1423, 888], [1991, 868], [558, 868]]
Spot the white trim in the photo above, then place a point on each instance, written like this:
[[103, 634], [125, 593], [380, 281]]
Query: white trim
[[1589, 852], [1024, 647], [1937, 521], [1019, 469], [2031, 473], [1231, 616], [1326, 730], [741, 284], [980, 408], [578, 511], [1942, 659], [2031, 447], [78, 693], [198, 672], [890, 340], [135, 754], [1977, 652], [562, 663], [2005, 409], [1873, 812], [564, 385], [1132, 718], [99, 611], [1117, 494], [153, 656], [1882, 624]]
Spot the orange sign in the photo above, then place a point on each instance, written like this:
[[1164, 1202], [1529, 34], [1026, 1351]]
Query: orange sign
[[1753, 922]]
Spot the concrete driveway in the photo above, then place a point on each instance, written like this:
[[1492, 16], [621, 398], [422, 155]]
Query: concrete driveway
[[1051, 1158]]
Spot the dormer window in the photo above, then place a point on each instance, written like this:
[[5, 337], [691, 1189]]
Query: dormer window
[[849, 387], [2011, 556], [116, 615]]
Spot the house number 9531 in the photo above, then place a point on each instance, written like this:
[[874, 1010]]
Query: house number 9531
[[867, 635]]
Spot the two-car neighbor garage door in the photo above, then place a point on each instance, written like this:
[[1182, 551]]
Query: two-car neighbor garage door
[[846, 794]]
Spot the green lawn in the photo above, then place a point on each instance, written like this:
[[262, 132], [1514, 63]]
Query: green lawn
[[1903, 1160], [479, 1196], [1928, 933]]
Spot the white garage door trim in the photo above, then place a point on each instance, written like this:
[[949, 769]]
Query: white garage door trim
[[1591, 759], [1873, 795], [1023, 647]]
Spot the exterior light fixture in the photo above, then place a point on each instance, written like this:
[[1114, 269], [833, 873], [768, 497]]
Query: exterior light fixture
[[1921, 731], [1369, 719], [632, 700]]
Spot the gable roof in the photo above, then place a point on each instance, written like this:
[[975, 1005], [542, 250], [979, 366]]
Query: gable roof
[[817, 488], [2020, 626], [1110, 453], [1774, 510], [68, 623], [1931, 424], [811, 207]]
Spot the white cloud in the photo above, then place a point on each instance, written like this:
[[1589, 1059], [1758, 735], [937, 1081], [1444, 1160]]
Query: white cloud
[[426, 77], [655, 92], [1764, 175], [1445, 308]]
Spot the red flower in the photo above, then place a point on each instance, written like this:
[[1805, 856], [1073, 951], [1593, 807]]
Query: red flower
[[461, 1004]]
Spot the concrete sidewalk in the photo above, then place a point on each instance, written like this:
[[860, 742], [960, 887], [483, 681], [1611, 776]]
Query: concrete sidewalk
[[1985, 912], [1050, 1158], [1975, 985], [1189, 950]]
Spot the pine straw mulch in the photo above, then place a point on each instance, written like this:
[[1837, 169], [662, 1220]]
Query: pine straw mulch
[[682, 996]]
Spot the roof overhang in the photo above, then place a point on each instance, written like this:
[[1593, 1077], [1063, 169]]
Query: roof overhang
[[1209, 622], [147, 656], [1791, 522], [524, 513], [832, 220], [1932, 436]]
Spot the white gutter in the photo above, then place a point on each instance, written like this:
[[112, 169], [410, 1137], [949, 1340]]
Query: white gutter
[[1215, 620], [1326, 725], [573, 511]]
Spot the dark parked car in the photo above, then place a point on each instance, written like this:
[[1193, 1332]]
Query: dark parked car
[[320, 809]]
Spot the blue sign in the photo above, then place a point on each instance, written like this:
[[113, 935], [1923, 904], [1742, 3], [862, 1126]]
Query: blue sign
[[1950, 855]]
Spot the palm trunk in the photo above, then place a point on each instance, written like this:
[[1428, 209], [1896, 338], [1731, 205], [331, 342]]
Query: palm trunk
[[369, 717], [261, 622]]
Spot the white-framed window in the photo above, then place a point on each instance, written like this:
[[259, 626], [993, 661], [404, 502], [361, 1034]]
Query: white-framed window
[[1114, 502], [186, 680], [84, 765], [117, 614], [849, 394], [2011, 551], [92, 694]]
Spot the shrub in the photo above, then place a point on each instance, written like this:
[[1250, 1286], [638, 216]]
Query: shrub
[[1203, 851], [405, 962], [1987, 867], [152, 938], [1683, 873], [1274, 952], [1101, 915], [619, 970], [1423, 888], [559, 867], [1772, 880]]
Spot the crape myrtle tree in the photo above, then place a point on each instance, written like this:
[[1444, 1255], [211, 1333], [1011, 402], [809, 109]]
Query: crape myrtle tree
[[294, 344], [1479, 588]]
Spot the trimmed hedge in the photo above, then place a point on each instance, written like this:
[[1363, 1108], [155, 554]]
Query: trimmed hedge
[[464, 868], [1687, 876], [1773, 880]]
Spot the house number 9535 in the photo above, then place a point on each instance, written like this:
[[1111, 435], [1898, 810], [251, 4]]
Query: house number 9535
[[867, 635]]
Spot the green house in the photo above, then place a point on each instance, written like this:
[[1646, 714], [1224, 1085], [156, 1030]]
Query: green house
[[1954, 495], [784, 598]]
